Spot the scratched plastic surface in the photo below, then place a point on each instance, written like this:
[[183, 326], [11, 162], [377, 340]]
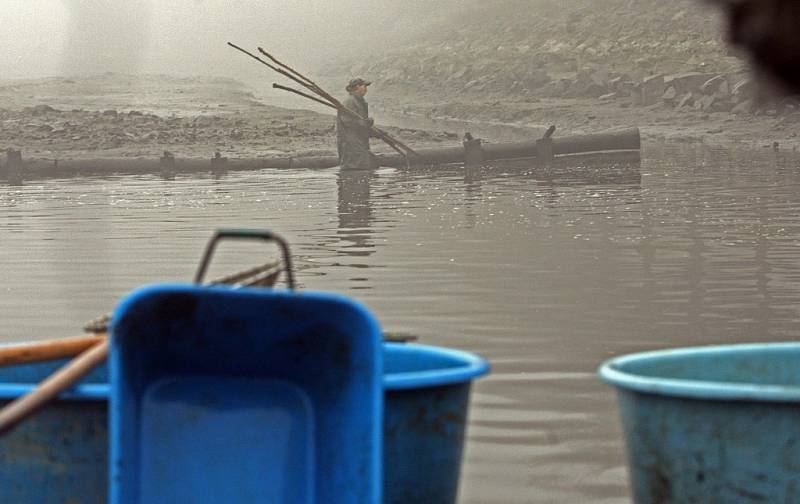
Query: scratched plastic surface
[[210, 392], [260, 433], [713, 424]]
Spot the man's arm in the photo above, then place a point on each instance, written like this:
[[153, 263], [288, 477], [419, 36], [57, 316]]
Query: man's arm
[[350, 120]]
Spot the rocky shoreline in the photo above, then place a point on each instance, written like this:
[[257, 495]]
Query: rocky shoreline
[[583, 65], [122, 116], [196, 118]]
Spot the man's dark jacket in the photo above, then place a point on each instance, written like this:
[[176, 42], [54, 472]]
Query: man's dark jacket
[[352, 135]]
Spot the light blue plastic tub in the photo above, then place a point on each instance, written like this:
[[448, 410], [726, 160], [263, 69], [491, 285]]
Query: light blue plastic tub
[[716, 424]]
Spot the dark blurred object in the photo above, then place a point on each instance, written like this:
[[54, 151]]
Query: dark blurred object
[[769, 30]]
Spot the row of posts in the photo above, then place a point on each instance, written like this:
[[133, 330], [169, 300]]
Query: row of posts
[[474, 154], [219, 165], [13, 170]]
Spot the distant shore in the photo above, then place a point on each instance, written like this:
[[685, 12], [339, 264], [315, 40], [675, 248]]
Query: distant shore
[[113, 116], [122, 116]]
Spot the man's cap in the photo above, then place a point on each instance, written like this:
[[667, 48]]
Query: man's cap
[[358, 82]]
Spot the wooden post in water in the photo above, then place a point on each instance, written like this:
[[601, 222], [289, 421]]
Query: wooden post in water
[[167, 164], [14, 168], [219, 164], [544, 147]]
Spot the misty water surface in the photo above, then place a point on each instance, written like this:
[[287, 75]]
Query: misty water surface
[[545, 278]]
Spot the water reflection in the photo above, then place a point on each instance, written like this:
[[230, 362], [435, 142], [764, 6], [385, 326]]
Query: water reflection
[[472, 194], [355, 213]]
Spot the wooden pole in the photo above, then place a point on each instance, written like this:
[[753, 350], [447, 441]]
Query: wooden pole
[[389, 141], [306, 95], [47, 350], [25, 406], [380, 133], [308, 83]]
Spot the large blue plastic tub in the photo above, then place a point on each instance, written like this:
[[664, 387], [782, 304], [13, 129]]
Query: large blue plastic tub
[[244, 395], [717, 424], [61, 454]]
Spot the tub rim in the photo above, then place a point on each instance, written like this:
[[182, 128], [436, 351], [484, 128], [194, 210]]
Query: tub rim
[[81, 392], [610, 372], [472, 366]]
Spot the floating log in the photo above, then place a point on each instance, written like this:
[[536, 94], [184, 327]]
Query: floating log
[[625, 140], [622, 142]]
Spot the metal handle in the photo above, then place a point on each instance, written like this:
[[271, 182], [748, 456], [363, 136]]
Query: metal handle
[[249, 234]]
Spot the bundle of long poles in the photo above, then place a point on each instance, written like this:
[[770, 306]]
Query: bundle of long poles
[[322, 97]]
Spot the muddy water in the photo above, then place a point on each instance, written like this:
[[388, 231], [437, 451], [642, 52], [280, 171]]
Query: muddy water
[[545, 278]]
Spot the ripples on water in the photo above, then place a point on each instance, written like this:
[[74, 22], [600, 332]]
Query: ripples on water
[[546, 278]]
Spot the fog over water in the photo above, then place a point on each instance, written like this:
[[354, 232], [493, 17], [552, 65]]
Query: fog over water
[[62, 37]]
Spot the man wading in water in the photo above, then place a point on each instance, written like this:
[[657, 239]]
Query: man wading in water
[[353, 134]]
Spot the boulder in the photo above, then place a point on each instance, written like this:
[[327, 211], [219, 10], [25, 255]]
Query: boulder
[[688, 81], [536, 78], [745, 107], [38, 110], [743, 88], [614, 84], [724, 88], [627, 87], [600, 77], [721, 104], [652, 89], [687, 100], [714, 85], [584, 86], [461, 73], [707, 101]]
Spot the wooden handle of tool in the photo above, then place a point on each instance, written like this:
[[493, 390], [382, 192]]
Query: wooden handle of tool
[[21, 408], [48, 349]]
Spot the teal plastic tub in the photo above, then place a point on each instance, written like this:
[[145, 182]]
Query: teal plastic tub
[[716, 424]]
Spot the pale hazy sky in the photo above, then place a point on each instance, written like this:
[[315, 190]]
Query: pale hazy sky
[[57, 37]]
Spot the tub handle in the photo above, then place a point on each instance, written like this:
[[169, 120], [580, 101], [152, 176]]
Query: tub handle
[[245, 234]]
